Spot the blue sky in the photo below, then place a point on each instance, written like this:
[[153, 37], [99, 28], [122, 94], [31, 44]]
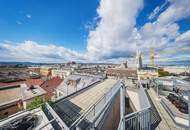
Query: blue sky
[[60, 22], [94, 30]]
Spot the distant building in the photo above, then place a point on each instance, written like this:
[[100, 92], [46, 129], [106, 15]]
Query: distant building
[[30, 82], [34, 69], [14, 98], [75, 82], [45, 71], [177, 69], [147, 73], [121, 72], [62, 73], [124, 65]]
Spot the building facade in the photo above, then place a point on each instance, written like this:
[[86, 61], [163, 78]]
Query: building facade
[[62, 73]]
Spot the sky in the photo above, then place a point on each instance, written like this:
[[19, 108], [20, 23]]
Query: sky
[[94, 30]]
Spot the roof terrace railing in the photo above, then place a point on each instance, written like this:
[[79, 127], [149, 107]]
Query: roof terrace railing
[[145, 119], [90, 117], [140, 120], [55, 120]]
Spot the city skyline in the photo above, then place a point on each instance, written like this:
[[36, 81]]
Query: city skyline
[[94, 31]]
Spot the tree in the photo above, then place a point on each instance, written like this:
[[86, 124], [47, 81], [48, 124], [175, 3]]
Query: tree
[[35, 103], [164, 73]]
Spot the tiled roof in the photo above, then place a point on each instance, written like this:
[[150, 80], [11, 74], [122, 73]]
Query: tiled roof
[[30, 82], [50, 85], [3, 84]]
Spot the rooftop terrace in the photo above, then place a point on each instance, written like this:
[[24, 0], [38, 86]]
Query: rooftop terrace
[[72, 107], [137, 95]]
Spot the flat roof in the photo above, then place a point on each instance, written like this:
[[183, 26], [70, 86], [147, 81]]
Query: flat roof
[[31, 93], [71, 108], [86, 99], [13, 93], [9, 95]]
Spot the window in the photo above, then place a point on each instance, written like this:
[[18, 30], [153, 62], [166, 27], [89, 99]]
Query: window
[[6, 113]]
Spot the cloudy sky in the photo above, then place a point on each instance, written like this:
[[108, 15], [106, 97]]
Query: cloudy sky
[[94, 30]]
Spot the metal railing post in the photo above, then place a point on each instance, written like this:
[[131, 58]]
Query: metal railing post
[[94, 110], [122, 105], [189, 108], [149, 119], [78, 128]]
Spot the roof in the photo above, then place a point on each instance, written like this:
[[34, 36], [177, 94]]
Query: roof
[[10, 95], [11, 83], [13, 93], [50, 85], [122, 71], [28, 93], [30, 82], [3, 84], [84, 82], [71, 108], [74, 77]]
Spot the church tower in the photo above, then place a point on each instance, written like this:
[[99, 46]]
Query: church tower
[[138, 59]]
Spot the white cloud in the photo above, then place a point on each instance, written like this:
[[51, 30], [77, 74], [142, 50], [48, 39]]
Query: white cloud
[[184, 37], [116, 25], [28, 16], [178, 10], [157, 10], [35, 52], [115, 36]]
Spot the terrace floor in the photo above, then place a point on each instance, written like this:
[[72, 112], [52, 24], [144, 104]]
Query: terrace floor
[[136, 95], [166, 123]]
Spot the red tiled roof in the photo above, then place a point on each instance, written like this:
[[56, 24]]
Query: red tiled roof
[[2, 84], [30, 82], [50, 85]]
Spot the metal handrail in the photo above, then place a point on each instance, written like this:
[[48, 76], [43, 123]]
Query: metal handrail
[[83, 116], [134, 113], [85, 113], [133, 119], [49, 122], [96, 117], [57, 118]]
